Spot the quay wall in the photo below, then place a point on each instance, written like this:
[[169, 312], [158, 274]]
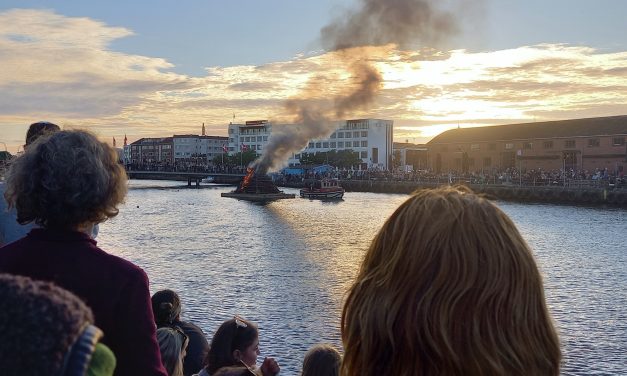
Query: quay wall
[[538, 194]]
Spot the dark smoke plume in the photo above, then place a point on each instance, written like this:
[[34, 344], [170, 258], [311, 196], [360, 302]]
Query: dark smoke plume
[[374, 23]]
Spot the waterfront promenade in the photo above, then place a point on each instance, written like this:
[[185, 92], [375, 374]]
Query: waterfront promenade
[[567, 191]]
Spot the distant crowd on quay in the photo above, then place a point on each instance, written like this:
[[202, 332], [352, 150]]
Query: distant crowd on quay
[[598, 178]]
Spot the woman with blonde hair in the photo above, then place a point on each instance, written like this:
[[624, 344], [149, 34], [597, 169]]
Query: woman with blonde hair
[[173, 346], [67, 182], [448, 287]]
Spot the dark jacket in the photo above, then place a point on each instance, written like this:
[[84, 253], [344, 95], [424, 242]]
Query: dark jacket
[[115, 289]]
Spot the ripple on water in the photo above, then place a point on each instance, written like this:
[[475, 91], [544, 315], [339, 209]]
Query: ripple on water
[[287, 265]]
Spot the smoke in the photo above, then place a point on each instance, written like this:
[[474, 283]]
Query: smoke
[[374, 23]]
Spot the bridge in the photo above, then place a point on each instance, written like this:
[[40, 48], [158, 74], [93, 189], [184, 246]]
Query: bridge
[[190, 177]]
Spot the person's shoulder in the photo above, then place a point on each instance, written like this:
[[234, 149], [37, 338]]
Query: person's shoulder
[[120, 264], [187, 326]]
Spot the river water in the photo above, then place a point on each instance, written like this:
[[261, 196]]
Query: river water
[[287, 265]]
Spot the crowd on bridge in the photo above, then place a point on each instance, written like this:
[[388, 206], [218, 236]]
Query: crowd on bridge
[[447, 286]]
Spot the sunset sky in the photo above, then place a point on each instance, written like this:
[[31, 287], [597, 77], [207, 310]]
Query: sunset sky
[[156, 68]]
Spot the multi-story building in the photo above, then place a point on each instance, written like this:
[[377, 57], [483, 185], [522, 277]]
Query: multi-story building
[[253, 135], [579, 145], [197, 149], [152, 151], [370, 138]]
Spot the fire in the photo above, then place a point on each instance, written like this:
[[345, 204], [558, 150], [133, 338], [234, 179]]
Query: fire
[[249, 175]]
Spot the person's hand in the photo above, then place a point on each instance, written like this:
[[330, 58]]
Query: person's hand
[[270, 367]]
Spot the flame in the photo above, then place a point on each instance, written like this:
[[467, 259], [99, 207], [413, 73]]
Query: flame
[[249, 175]]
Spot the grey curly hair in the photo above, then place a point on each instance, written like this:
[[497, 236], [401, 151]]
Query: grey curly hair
[[65, 179]]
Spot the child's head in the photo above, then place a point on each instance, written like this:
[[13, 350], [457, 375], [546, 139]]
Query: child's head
[[322, 360], [448, 286], [172, 345], [235, 342]]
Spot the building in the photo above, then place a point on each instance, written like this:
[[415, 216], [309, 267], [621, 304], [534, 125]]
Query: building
[[409, 157], [196, 149], [370, 138], [152, 151], [579, 144], [253, 135]]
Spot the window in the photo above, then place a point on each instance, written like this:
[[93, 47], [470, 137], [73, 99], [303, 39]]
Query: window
[[325, 145], [297, 156], [259, 138], [311, 145], [593, 142], [527, 145], [333, 135], [618, 141], [340, 144], [509, 146], [340, 135], [487, 162], [333, 144], [548, 144], [364, 133], [318, 145], [247, 139], [355, 144], [364, 144], [363, 155], [569, 144], [474, 147], [356, 134]]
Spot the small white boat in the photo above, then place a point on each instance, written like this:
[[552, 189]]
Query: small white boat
[[322, 189]]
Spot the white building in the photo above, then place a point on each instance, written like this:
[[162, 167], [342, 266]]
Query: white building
[[194, 146], [371, 138], [253, 135]]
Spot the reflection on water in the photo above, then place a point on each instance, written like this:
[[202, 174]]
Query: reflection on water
[[287, 265]]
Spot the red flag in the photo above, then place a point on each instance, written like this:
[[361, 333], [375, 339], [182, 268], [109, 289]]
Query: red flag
[[113, 141], [224, 148], [244, 147]]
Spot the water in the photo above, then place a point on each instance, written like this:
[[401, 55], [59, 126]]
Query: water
[[287, 265]]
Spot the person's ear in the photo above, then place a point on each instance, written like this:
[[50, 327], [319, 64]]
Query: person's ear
[[237, 355]]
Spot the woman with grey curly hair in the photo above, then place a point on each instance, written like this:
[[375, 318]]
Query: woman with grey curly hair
[[67, 182]]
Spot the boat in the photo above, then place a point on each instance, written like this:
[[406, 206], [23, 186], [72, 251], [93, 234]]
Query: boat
[[208, 179], [322, 189]]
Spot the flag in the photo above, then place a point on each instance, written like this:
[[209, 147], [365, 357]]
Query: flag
[[113, 141], [244, 147], [519, 152], [125, 140], [224, 148]]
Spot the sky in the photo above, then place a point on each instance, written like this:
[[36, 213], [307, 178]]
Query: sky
[[158, 68]]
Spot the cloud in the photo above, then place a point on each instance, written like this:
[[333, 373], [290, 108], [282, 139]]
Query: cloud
[[62, 69]]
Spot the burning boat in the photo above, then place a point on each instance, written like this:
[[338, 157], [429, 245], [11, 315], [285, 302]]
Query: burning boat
[[258, 188]]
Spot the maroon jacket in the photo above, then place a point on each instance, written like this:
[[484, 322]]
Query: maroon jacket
[[115, 289]]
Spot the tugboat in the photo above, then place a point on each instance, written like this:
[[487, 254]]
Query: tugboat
[[324, 189]]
